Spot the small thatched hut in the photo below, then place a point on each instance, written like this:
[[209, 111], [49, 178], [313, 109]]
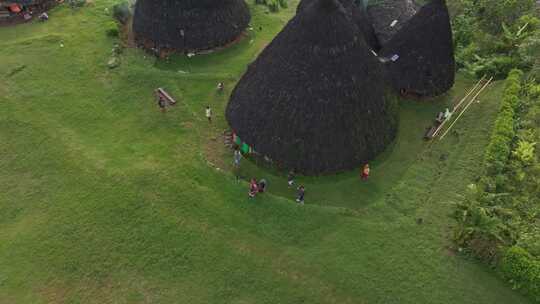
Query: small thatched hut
[[358, 14], [188, 25], [389, 16], [315, 102], [424, 47]]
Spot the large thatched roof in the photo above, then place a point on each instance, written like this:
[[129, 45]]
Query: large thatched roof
[[389, 16], [426, 55], [189, 25], [314, 100], [358, 14]]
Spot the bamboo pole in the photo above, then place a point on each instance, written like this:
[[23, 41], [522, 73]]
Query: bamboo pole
[[439, 128], [476, 96], [469, 93], [466, 107]]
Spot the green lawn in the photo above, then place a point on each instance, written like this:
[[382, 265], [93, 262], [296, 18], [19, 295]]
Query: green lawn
[[103, 199]]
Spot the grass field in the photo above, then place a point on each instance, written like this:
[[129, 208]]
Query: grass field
[[103, 199]]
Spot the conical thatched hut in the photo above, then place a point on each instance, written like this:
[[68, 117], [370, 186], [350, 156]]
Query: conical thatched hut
[[188, 25], [358, 14], [424, 47], [314, 100], [389, 16]]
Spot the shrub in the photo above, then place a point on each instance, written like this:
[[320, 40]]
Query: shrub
[[493, 13], [112, 32], [503, 133], [463, 29], [76, 3], [524, 152], [522, 270], [534, 91], [466, 55], [273, 5], [121, 12], [497, 66]]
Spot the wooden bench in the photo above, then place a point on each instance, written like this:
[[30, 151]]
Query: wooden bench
[[430, 132], [160, 92]]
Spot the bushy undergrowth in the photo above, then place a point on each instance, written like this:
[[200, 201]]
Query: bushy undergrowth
[[498, 149], [273, 5], [522, 270], [499, 218], [492, 37], [121, 12]]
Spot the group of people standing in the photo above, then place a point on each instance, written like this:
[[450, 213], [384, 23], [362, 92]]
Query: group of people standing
[[256, 187]]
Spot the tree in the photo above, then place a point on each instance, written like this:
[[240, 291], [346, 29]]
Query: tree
[[493, 13]]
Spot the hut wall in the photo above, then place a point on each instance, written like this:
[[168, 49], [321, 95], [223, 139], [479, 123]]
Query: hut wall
[[425, 48], [187, 25], [315, 102]]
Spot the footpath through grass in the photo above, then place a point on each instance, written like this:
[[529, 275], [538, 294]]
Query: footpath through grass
[[103, 199]]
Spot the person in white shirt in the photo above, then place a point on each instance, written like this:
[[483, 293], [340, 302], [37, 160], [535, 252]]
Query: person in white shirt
[[209, 114]]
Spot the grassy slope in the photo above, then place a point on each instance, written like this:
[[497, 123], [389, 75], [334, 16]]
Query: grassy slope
[[105, 200]]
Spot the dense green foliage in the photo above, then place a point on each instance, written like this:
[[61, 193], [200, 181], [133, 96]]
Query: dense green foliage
[[274, 5], [503, 133], [522, 270], [492, 37], [492, 14], [122, 12], [504, 209]]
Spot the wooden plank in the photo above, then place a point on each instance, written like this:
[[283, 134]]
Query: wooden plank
[[166, 95], [430, 132], [466, 107], [471, 91]]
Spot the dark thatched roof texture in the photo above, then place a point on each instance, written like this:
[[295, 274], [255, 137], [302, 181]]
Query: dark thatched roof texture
[[424, 45], [189, 25], [389, 16], [359, 16], [314, 100]]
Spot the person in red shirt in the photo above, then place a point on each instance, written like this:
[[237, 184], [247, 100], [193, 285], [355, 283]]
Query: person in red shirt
[[253, 188], [365, 172]]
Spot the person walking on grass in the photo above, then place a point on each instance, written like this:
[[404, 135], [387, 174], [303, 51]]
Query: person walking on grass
[[162, 104], [365, 172], [237, 157], [253, 188], [236, 161], [209, 114], [301, 194], [262, 185], [290, 178]]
